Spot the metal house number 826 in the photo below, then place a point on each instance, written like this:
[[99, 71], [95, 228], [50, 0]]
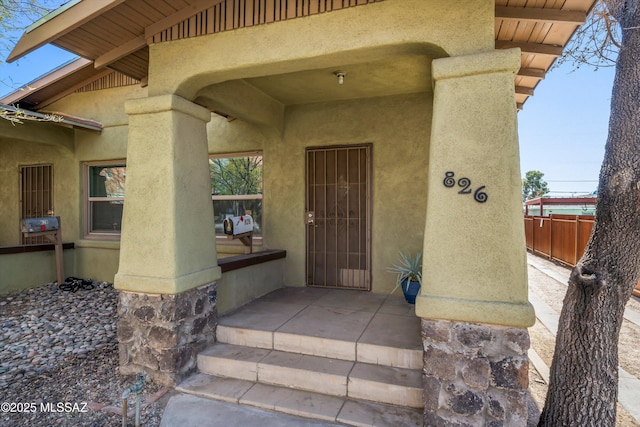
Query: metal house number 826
[[465, 185]]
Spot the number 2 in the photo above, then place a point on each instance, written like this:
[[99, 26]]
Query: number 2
[[465, 183]]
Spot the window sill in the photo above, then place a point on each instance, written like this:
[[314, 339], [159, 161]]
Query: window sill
[[98, 244], [241, 261]]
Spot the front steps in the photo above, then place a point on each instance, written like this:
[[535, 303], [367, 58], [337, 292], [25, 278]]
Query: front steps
[[362, 382]]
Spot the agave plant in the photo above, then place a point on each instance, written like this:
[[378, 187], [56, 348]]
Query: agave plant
[[408, 269]]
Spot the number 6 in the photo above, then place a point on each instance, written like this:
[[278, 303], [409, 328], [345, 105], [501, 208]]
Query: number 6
[[480, 196]]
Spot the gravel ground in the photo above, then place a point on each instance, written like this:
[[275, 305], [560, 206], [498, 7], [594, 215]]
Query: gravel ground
[[59, 360]]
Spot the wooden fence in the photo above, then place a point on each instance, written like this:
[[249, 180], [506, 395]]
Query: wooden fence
[[560, 238]]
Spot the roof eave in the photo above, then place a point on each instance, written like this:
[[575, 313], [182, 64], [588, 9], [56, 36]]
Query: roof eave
[[46, 80], [58, 23], [65, 120]]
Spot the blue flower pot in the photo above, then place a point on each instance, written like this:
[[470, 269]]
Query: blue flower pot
[[411, 292]]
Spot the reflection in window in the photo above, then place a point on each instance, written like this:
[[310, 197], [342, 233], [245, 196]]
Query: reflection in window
[[236, 188], [106, 183]]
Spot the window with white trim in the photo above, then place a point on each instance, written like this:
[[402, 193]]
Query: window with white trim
[[104, 197], [236, 188]]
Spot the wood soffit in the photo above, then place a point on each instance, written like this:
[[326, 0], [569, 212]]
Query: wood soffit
[[115, 34]]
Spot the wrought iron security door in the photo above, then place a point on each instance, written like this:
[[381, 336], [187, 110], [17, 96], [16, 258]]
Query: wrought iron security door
[[36, 196], [338, 203]]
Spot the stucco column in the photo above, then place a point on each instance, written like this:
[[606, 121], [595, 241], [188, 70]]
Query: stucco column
[[168, 235], [168, 266], [474, 301], [474, 249]]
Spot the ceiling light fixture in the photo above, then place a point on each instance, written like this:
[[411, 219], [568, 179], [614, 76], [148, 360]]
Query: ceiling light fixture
[[340, 75]]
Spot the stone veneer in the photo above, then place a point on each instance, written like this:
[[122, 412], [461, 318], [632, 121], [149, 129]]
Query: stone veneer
[[162, 335], [474, 374]]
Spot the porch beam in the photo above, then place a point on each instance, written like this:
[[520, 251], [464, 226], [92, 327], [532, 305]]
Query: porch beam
[[537, 14], [559, 16], [523, 90], [531, 48], [536, 73], [240, 99], [120, 52]]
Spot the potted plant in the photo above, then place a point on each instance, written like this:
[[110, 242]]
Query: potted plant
[[409, 275]]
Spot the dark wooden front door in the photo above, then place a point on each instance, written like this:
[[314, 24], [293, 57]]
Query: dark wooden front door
[[338, 217]]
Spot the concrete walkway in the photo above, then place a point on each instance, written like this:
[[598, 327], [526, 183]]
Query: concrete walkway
[[628, 385], [185, 410]]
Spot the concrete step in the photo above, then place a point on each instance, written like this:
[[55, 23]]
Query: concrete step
[[386, 384], [334, 377], [401, 353], [340, 409]]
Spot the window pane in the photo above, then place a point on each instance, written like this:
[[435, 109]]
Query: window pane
[[106, 217], [107, 180], [226, 208], [236, 175]]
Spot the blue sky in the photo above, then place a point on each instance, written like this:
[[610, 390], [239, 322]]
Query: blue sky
[[30, 67], [562, 128]]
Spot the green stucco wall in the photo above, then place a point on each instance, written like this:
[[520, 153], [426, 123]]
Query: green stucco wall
[[95, 258], [44, 145], [348, 36], [400, 166], [398, 127], [29, 270], [238, 287]]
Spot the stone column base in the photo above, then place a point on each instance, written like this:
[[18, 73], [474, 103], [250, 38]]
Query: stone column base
[[162, 335], [474, 374]]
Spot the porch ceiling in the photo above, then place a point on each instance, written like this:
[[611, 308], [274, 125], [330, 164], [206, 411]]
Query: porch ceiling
[[115, 34], [391, 76]]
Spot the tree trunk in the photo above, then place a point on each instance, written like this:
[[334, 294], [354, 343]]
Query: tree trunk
[[583, 387]]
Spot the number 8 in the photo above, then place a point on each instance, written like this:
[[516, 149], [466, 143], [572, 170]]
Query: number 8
[[448, 180]]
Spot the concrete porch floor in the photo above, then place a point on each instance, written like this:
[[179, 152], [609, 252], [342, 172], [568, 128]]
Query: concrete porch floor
[[341, 321]]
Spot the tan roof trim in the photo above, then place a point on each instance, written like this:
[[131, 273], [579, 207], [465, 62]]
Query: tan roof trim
[[59, 25], [45, 80], [541, 15]]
